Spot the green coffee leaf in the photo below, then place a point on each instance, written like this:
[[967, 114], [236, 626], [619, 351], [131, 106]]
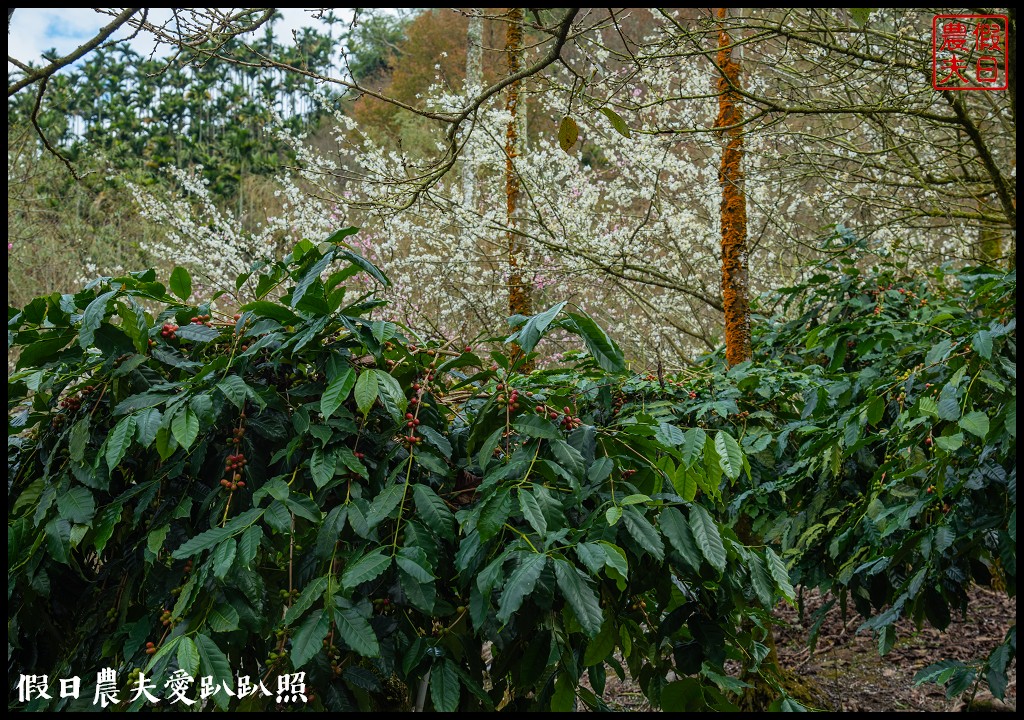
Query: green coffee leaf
[[78, 440], [321, 467], [535, 426], [676, 529], [310, 276], [337, 392], [119, 440], [181, 283], [222, 618], [92, 318], [599, 344], [185, 427], [730, 456], [147, 423], [76, 505], [976, 423], [444, 687], [223, 557], [307, 597], [309, 638], [356, 631], [580, 596], [366, 568], [949, 407], [643, 532], [433, 511], [213, 662], [197, 333], [188, 656], [366, 391], [234, 389], [778, 570], [707, 537], [532, 512], [520, 583], [535, 327]]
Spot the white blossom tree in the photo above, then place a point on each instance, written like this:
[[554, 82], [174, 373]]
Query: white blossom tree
[[840, 126]]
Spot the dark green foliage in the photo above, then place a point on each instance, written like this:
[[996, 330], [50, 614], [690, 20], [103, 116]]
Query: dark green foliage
[[895, 446], [302, 488], [878, 418], [550, 523]]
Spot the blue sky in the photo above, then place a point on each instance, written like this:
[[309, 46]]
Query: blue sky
[[35, 30]]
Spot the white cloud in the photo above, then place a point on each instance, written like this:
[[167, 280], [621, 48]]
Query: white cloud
[[34, 31]]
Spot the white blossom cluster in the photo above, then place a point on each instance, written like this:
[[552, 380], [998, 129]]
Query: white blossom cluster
[[625, 228]]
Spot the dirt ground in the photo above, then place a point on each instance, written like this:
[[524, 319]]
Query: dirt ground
[[850, 676], [846, 673]]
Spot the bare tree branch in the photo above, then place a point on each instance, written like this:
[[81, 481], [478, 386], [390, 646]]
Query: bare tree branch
[[33, 76]]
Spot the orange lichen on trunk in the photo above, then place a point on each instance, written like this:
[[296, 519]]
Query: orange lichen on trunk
[[735, 293], [519, 302]]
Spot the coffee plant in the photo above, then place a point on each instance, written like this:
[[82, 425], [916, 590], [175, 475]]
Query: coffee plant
[[900, 436], [878, 419], [291, 486]]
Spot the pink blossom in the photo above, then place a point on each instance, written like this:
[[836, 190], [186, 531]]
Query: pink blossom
[[542, 281]]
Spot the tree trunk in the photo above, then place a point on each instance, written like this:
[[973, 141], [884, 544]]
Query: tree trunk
[[735, 287], [735, 278], [474, 83], [519, 302]]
